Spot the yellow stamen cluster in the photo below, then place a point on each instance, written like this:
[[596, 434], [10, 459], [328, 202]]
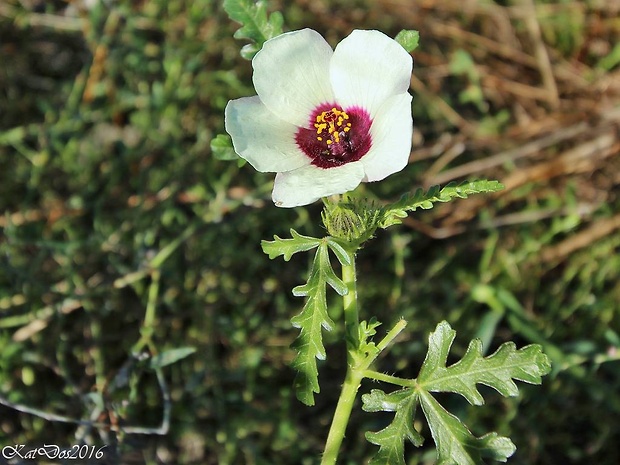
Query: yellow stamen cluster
[[334, 122]]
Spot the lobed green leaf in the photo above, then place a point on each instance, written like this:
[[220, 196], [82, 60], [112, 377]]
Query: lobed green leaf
[[391, 439], [456, 445], [257, 26], [393, 213], [497, 371], [311, 321], [289, 247], [340, 251]]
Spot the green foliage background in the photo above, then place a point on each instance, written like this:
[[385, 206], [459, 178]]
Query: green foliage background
[[115, 210]]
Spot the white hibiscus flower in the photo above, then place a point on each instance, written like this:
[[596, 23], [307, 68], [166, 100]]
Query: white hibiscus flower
[[325, 120]]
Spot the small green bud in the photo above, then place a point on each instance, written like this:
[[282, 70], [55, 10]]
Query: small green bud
[[353, 220], [342, 222]]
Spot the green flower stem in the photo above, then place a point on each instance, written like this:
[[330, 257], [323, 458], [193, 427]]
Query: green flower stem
[[351, 314], [354, 375], [357, 367], [341, 415]]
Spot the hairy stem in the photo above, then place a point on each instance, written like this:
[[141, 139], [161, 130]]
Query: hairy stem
[[371, 374], [357, 365], [351, 314], [341, 416], [354, 374]]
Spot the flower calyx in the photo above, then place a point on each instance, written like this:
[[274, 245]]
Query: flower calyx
[[352, 220]]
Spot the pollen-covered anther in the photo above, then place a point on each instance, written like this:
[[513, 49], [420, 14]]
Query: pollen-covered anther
[[333, 121]]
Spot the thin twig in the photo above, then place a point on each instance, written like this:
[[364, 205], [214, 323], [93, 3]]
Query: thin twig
[[54, 417]]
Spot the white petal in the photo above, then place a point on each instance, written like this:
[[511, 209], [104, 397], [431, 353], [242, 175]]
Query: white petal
[[291, 74], [263, 139], [367, 68], [308, 184], [391, 133]]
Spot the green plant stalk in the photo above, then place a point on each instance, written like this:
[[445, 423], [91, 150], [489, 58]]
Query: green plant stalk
[[148, 325], [354, 374], [348, 394], [388, 378], [357, 367], [351, 312]]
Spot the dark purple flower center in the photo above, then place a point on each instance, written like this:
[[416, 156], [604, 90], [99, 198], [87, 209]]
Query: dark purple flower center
[[335, 136]]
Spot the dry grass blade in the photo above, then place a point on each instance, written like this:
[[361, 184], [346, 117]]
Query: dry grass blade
[[581, 240], [542, 57]]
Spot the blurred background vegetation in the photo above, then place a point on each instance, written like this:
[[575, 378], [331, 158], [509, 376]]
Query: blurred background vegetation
[[122, 238]]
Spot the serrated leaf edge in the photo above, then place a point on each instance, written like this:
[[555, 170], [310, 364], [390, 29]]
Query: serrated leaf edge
[[434, 372]]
